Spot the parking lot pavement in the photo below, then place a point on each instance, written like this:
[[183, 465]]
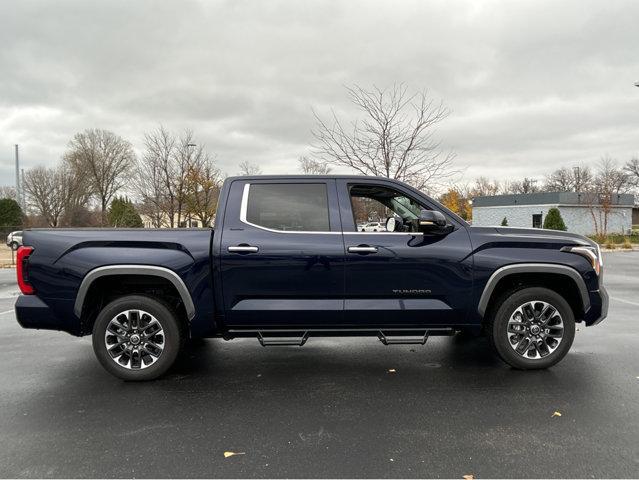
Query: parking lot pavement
[[329, 409]]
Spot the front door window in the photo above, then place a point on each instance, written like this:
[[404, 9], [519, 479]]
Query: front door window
[[373, 205]]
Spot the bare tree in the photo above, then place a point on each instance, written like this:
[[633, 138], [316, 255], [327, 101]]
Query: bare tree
[[394, 139], [564, 179], [188, 154], [483, 187], [156, 173], [526, 185], [609, 182], [247, 168], [204, 181], [161, 175], [309, 166], [7, 191], [51, 192], [632, 168], [105, 159]]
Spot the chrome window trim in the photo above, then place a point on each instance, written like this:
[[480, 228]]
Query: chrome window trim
[[383, 233]]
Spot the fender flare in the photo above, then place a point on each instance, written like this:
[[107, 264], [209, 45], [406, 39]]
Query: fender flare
[[532, 268], [149, 270]]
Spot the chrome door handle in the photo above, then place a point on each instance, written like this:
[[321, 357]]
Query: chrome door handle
[[243, 249], [362, 249]]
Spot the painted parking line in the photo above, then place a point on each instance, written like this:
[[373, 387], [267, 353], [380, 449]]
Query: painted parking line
[[8, 311], [625, 301]]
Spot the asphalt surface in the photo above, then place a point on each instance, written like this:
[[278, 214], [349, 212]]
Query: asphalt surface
[[329, 409]]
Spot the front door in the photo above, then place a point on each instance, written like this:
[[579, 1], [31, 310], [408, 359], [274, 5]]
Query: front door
[[402, 278], [282, 254]]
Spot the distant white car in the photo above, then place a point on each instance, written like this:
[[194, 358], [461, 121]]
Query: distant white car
[[14, 239], [373, 227]]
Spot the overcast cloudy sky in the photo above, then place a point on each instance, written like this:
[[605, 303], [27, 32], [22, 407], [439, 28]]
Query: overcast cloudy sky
[[531, 85]]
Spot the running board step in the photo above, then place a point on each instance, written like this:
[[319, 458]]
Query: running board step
[[296, 339], [403, 337]]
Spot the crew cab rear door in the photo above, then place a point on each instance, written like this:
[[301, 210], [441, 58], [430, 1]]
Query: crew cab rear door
[[406, 278], [282, 254]]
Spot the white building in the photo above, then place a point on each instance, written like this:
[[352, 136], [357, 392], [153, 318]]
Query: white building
[[577, 210]]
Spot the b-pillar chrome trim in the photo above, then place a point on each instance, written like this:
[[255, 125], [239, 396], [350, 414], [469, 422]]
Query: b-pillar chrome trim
[[150, 270], [533, 268]]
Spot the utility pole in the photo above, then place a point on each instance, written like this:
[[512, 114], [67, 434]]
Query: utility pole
[[24, 197], [18, 189]]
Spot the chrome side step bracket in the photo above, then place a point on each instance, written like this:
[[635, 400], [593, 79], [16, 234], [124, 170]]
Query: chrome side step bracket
[[295, 339], [403, 338]]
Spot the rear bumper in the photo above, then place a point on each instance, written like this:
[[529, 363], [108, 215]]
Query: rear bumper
[[32, 312], [598, 307]]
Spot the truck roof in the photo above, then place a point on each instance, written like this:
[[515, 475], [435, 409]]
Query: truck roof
[[298, 176]]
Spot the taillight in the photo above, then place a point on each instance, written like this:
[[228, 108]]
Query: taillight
[[23, 278]]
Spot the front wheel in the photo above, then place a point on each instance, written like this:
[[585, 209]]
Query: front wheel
[[14, 246], [533, 328], [136, 337]]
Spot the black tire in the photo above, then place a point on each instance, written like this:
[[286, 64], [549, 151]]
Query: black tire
[[507, 306], [173, 337], [14, 246]]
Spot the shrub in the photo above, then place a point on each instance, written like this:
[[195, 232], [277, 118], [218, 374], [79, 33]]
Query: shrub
[[553, 220], [10, 213], [504, 222], [626, 244], [122, 214]]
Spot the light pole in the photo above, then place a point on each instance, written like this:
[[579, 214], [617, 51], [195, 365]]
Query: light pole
[[188, 150], [18, 192]]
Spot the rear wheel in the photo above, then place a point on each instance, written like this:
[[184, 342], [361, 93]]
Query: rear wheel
[[532, 328], [137, 337]]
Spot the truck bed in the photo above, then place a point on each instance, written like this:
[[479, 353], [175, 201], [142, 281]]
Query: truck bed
[[62, 258]]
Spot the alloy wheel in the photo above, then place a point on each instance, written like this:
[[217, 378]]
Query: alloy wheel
[[535, 329], [134, 339]]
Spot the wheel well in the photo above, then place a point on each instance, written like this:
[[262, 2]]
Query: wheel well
[[562, 284], [107, 288]]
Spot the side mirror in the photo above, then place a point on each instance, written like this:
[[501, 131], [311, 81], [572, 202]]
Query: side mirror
[[432, 221]]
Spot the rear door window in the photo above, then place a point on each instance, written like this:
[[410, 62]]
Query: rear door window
[[295, 207]]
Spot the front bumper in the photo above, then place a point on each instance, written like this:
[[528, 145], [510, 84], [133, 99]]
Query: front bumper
[[598, 307]]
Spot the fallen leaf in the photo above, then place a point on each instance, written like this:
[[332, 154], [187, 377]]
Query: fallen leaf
[[470, 476], [556, 414], [391, 370], [230, 454]]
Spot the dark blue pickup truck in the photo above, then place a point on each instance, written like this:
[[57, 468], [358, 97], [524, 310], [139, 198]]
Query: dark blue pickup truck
[[290, 258]]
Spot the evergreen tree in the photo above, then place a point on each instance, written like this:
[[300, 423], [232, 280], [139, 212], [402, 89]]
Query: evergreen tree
[[122, 214], [10, 213], [504, 222], [553, 220]]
